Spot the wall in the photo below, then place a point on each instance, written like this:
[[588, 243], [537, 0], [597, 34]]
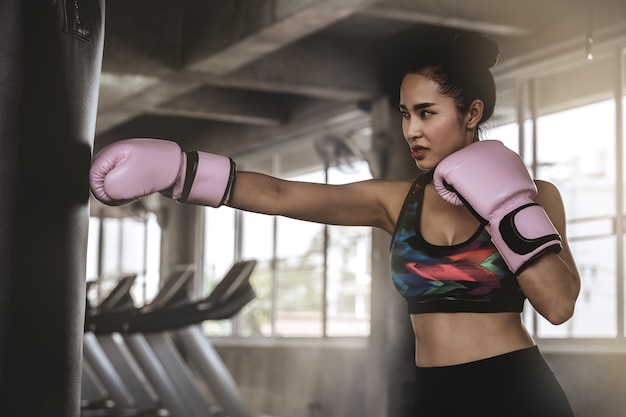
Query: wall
[[594, 383], [300, 381]]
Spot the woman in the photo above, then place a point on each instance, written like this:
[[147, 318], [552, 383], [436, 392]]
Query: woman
[[472, 237]]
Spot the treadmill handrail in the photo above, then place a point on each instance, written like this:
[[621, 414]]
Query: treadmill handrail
[[228, 297]]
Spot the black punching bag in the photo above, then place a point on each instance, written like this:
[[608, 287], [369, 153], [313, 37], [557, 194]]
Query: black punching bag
[[50, 63]]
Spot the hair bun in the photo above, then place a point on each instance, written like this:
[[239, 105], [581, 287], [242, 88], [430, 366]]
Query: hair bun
[[475, 48]]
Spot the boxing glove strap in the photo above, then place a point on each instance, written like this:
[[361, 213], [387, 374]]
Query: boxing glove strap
[[230, 187], [517, 241], [190, 175]]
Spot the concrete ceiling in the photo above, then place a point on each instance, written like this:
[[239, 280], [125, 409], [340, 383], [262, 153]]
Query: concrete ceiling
[[223, 74]]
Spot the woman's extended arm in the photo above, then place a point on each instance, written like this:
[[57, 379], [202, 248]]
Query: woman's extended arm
[[552, 283], [366, 203]]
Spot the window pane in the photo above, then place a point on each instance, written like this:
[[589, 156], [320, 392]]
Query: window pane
[[112, 247], [92, 249], [133, 245], [133, 255], [596, 308], [152, 279], [258, 243], [349, 281], [219, 244], [111, 259], [299, 268], [256, 318], [575, 151], [507, 134], [349, 267], [219, 256], [129, 246], [257, 236]]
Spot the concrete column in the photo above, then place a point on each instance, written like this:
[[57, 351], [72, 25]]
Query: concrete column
[[49, 79], [179, 235], [392, 342]]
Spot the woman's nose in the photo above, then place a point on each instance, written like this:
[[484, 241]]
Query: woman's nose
[[414, 128]]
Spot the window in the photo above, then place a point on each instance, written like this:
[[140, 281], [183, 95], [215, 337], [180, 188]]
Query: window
[[584, 171], [123, 246], [585, 176], [507, 134], [570, 137], [311, 280]]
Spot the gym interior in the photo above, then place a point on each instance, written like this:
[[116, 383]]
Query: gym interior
[[157, 308]]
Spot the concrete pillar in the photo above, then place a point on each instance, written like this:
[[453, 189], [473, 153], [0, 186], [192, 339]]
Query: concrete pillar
[[180, 235], [392, 341], [49, 79]]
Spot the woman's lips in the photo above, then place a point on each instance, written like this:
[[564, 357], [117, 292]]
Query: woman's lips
[[418, 152]]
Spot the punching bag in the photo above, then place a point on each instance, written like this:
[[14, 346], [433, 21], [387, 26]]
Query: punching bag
[[51, 55]]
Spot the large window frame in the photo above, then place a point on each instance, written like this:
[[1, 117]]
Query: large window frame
[[297, 161], [121, 243], [531, 105]]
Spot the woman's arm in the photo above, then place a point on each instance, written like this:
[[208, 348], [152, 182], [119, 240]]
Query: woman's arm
[[366, 203], [552, 283]]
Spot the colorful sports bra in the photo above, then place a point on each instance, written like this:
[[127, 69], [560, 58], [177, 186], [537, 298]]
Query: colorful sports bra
[[468, 277]]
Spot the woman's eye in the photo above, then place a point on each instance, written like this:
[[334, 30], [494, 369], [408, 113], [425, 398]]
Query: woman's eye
[[426, 113], [404, 114]]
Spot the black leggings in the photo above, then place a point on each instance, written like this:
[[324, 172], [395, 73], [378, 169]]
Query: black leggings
[[516, 384]]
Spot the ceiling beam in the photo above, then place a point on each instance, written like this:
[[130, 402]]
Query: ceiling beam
[[317, 67], [226, 105], [122, 110], [411, 15], [288, 26]]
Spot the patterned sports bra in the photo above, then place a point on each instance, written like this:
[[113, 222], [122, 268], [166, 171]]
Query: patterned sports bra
[[468, 277]]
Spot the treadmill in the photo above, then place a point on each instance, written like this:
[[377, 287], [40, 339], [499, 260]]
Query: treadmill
[[113, 382], [157, 335]]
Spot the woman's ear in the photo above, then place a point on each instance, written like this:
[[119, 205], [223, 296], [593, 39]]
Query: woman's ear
[[474, 114]]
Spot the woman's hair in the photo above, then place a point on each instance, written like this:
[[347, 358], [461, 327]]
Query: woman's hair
[[459, 63]]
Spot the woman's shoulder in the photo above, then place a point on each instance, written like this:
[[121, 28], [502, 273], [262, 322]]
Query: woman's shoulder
[[391, 189], [392, 195], [547, 188], [549, 197]]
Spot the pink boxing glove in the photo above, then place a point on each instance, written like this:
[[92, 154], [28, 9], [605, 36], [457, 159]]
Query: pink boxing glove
[[129, 169], [492, 181]]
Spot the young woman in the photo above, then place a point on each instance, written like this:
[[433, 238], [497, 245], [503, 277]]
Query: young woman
[[473, 237]]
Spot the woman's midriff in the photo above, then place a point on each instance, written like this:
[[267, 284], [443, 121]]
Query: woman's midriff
[[444, 339]]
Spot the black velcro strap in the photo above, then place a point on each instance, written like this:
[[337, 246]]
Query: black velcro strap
[[516, 241], [190, 174], [230, 187]]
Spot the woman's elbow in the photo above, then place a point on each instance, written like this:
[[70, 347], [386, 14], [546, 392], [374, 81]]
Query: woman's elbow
[[560, 311], [559, 316], [559, 308], [563, 309], [554, 298]]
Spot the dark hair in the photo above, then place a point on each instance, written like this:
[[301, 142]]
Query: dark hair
[[459, 63]]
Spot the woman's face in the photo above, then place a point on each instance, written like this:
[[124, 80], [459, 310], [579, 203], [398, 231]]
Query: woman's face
[[431, 123]]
